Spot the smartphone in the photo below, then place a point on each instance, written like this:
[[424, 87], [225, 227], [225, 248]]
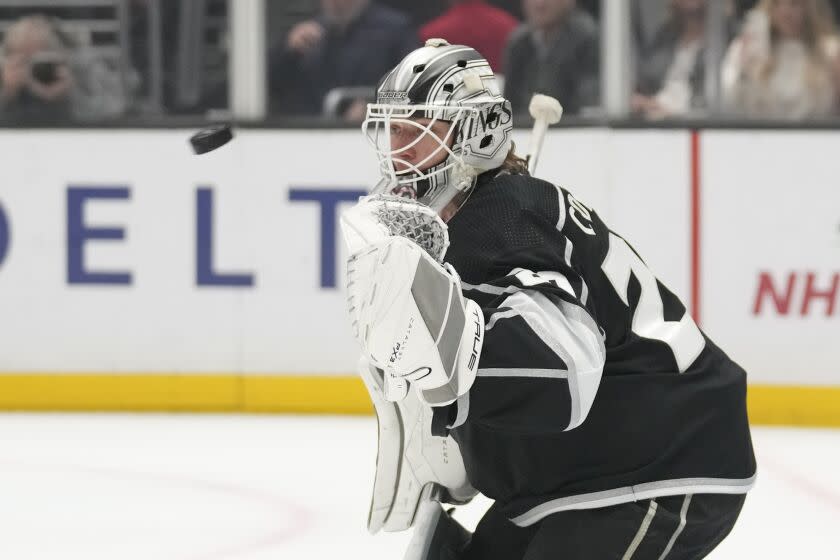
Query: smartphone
[[45, 71], [757, 29]]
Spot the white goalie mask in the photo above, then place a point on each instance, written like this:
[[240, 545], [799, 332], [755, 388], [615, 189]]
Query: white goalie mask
[[449, 95]]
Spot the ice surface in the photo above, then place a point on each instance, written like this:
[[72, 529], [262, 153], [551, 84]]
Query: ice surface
[[225, 487]]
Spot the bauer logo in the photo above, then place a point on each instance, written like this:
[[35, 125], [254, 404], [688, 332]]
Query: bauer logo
[[393, 97], [419, 373], [476, 341]]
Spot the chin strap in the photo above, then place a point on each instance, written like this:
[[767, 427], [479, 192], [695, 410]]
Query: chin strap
[[461, 182]]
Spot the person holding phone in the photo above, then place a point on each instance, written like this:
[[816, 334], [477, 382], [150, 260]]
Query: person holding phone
[[785, 63], [36, 82]]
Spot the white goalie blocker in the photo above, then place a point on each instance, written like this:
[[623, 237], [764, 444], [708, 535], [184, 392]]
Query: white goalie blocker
[[417, 332]]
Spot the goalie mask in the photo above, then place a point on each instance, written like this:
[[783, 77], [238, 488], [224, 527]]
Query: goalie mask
[[444, 96]]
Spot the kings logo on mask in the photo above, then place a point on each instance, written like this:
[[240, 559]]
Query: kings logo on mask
[[496, 115]]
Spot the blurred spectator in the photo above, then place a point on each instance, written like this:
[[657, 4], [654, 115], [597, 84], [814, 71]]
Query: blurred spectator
[[556, 53], [352, 43], [47, 78], [36, 80], [104, 89], [744, 6], [474, 23], [671, 65], [417, 12], [784, 63]]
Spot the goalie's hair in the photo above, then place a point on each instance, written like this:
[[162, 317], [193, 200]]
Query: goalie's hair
[[514, 164]]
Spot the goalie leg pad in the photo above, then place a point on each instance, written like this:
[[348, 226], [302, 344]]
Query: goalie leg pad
[[409, 458]]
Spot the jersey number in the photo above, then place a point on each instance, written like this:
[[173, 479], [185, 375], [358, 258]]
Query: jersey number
[[682, 337]]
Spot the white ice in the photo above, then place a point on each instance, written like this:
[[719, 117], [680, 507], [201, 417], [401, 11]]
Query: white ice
[[224, 487]]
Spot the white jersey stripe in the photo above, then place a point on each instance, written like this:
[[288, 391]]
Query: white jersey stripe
[[680, 527], [677, 487], [640, 534], [523, 372]]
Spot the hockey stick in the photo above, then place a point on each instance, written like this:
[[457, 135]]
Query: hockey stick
[[437, 536], [544, 110]]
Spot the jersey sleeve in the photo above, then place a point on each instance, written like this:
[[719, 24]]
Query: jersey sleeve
[[543, 356], [544, 351]]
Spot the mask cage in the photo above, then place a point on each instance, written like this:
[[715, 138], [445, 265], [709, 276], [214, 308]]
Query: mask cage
[[399, 176]]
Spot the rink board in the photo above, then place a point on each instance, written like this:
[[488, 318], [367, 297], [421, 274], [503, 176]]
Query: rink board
[[134, 275], [308, 394]]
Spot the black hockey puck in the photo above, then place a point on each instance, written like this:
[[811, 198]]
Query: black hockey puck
[[211, 138]]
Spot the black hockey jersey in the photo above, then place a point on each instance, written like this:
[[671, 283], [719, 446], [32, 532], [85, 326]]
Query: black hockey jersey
[[595, 386]]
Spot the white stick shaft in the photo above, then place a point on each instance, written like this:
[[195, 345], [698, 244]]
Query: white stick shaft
[[537, 137]]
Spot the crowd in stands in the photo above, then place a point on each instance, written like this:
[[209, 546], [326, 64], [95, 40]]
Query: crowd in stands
[[782, 61], [352, 43], [781, 58]]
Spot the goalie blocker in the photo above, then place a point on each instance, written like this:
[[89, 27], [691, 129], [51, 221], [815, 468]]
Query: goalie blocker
[[408, 312]]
